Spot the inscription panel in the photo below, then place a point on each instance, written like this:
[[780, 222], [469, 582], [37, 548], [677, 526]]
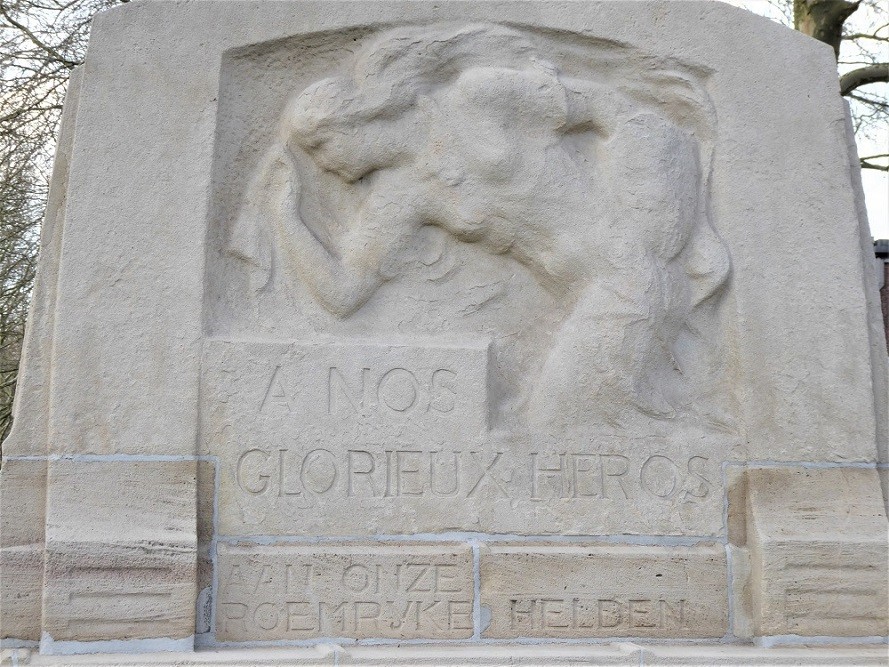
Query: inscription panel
[[604, 591], [290, 592], [346, 388], [373, 439]]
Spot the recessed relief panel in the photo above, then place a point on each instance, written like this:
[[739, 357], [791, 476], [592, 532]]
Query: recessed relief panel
[[483, 262], [545, 195]]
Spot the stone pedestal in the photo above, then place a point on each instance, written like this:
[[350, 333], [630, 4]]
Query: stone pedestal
[[449, 333]]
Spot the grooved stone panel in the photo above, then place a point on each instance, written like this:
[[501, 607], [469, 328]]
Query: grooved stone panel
[[819, 551], [121, 551], [356, 590], [580, 591]]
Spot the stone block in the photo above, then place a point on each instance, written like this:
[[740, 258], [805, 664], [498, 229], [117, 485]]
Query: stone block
[[819, 553], [373, 438], [29, 435], [608, 655], [22, 517], [121, 552], [379, 389], [585, 591], [357, 590], [316, 483], [323, 655], [748, 656]]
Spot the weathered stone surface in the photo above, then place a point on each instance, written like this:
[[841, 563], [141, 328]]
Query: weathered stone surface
[[121, 552], [283, 476], [490, 270], [30, 429], [358, 590], [22, 517], [481, 279], [346, 390], [884, 482], [735, 656], [819, 552], [624, 654], [573, 591]]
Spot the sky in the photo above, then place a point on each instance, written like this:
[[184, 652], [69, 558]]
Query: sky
[[876, 183]]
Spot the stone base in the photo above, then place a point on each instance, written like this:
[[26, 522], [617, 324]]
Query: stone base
[[628, 654]]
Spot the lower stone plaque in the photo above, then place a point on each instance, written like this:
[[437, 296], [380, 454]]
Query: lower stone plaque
[[577, 591], [354, 590]]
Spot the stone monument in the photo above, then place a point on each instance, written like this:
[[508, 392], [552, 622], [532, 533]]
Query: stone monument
[[437, 332]]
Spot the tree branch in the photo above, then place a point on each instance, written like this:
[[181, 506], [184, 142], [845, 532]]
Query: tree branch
[[862, 76], [858, 35], [867, 164], [70, 64]]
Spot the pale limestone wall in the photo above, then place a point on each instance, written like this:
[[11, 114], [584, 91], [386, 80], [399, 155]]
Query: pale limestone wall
[[449, 322]]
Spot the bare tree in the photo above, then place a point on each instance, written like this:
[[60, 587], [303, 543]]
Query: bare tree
[[19, 209]]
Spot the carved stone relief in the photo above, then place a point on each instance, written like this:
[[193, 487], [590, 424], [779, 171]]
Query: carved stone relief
[[586, 190], [478, 332]]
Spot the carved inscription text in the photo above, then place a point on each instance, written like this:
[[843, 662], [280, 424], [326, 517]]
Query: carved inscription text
[[345, 590], [349, 439], [560, 590], [380, 471]]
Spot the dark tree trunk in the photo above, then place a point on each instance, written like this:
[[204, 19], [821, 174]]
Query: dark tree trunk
[[823, 19]]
